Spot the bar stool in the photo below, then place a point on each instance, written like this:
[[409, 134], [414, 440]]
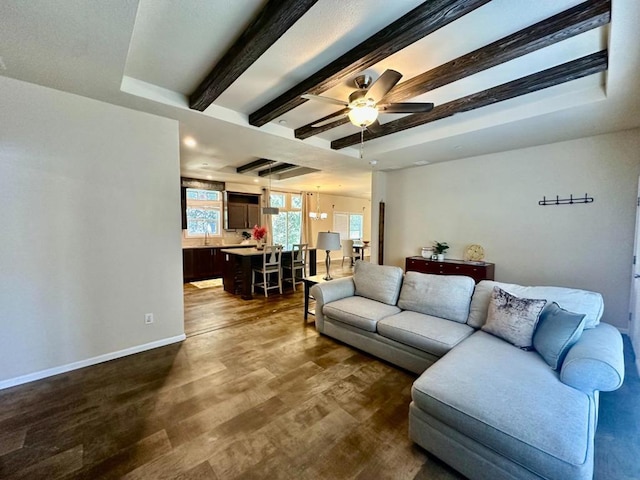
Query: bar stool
[[271, 264], [298, 263]]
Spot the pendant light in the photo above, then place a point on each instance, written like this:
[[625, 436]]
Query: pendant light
[[317, 215], [269, 210]]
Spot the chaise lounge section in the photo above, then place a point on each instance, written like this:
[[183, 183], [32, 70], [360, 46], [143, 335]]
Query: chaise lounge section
[[489, 409]]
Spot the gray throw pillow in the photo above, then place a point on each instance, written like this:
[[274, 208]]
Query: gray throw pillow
[[512, 318], [557, 331]]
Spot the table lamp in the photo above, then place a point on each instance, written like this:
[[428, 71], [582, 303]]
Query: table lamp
[[328, 241]]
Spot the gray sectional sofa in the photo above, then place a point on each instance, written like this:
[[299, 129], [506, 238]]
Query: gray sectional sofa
[[489, 409]]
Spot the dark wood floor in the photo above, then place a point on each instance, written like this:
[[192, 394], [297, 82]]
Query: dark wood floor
[[252, 393], [263, 397]]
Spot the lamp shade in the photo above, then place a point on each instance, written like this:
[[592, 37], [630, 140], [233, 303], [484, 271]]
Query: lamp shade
[[328, 241]]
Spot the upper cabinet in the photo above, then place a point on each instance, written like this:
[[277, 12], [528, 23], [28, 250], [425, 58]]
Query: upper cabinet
[[241, 211]]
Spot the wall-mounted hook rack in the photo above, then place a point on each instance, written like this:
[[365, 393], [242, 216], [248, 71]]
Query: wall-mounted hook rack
[[565, 201]]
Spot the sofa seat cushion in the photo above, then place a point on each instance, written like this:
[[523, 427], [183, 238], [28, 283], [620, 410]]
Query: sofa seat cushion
[[427, 333], [358, 311], [510, 401], [444, 296]]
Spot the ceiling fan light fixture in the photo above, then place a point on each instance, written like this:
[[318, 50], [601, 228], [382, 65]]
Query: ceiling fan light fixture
[[363, 116]]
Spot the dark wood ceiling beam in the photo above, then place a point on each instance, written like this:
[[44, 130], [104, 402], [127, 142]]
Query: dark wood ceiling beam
[[594, 63], [255, 165], [574, 21], [272, 22], [418, 23], [283, 167], [297, 172]]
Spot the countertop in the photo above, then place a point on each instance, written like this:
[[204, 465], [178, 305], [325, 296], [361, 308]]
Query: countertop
[[249, 251], [236, 245]]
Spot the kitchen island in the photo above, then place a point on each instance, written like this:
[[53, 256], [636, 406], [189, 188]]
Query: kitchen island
[[238, 263]]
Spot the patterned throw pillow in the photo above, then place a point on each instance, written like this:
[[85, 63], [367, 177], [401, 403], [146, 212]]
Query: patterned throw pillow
[[557, 331], [512, 318]]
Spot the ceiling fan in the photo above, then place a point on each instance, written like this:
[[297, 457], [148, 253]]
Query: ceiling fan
[[368, 100]]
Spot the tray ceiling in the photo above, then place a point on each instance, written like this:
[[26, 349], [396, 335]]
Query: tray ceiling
[[154, 57]]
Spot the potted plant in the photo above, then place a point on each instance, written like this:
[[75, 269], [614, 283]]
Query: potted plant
[[439, 248]]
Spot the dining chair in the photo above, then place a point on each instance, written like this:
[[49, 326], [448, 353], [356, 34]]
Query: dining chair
[[271, 265], [347, 252], [298, 264]]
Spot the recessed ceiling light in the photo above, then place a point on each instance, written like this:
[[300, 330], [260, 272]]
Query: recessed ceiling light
[[421, 162], [190, 142], [209, 177], [255, 180], [282, 122], [205, 164]]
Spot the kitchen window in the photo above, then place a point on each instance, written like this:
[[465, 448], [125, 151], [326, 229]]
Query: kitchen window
[[204, 213], [286, 227]]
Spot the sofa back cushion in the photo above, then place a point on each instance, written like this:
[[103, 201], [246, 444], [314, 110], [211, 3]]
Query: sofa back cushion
[[578, 301], [444, 296], [377, 282]]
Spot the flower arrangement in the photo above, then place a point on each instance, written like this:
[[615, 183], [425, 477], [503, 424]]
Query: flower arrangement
[[259, 232]]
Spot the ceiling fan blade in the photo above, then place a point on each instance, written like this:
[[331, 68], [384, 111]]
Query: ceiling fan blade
[[332, 101], [329, 119], [375, 127], [383, 84], [405, 108]]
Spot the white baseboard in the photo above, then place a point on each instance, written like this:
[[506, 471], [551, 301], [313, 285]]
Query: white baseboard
[[12, 382]]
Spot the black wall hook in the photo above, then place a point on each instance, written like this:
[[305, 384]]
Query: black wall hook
[[566, 201]]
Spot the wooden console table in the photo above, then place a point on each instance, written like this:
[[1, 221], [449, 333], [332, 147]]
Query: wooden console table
[[476, 270]]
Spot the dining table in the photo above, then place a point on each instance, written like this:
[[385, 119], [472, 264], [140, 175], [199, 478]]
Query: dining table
[[239, 262], [359, 249]]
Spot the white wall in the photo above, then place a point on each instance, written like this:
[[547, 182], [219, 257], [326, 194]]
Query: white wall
[[493, 200], [90, 216]]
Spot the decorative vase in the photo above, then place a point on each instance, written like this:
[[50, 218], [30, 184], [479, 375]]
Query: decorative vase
[[426, 252], [259, 245], [440, 257]]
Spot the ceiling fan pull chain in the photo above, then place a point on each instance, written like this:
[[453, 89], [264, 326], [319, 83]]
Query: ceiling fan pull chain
[[362, 143]]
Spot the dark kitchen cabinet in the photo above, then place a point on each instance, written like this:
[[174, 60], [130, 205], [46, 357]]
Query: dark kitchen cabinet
[[198, 263], [242, 210], [202, 263]]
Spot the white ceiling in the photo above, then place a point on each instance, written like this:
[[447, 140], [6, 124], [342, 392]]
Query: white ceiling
[[149, 55]]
